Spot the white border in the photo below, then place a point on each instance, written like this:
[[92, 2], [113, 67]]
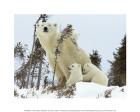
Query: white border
[[7, 11]]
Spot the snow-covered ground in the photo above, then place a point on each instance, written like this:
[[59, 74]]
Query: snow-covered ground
[[86, 89], [83, 90]]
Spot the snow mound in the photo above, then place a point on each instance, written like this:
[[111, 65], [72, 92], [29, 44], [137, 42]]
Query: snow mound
[[86, 89], [82, 90]]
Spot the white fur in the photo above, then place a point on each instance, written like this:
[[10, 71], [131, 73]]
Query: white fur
[[94, 74], [69, 52], [75, 74]]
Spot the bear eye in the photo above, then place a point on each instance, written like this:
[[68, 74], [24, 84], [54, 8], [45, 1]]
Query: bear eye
[[37, 25], [72, 66], [55, 25], [49, 25]]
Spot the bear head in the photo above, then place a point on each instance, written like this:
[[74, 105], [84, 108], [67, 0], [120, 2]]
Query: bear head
[[46, 29], [74, 66], [86, 68]]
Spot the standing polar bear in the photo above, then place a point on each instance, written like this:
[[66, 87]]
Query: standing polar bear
[[94, 74], [75, 74], [48, 35]]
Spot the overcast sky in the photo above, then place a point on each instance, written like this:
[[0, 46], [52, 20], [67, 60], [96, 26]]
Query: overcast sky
[[101, 32]]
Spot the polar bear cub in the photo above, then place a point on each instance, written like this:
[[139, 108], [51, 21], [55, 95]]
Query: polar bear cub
[[75, 74], [94, 74]]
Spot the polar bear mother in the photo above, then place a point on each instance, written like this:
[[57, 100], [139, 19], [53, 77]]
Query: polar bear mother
[[70, 53]]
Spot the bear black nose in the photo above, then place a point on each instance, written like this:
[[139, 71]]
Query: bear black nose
[[45, 29]]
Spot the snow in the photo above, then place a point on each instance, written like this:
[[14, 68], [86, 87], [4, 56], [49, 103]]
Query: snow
[[86, 89], [83, 90], [33, 93], [17, 63]]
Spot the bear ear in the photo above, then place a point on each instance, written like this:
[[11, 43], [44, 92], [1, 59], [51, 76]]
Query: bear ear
[[39, 22], [87, 65], [79, 65]]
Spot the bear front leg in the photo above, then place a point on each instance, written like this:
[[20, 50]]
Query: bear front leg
[[60, 75], [62, 82], [68, 82], [86, 78]]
